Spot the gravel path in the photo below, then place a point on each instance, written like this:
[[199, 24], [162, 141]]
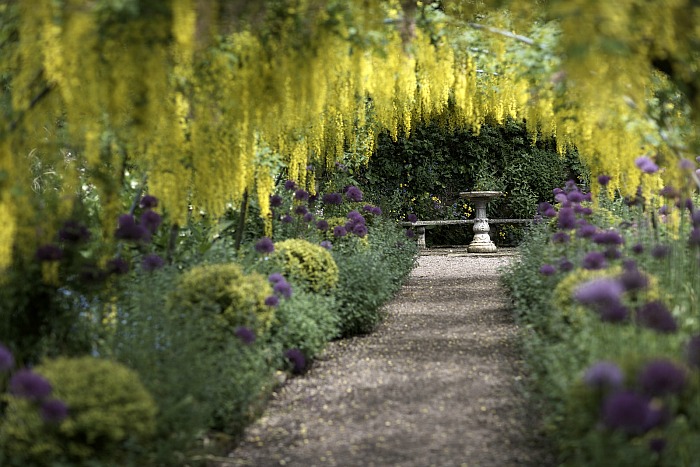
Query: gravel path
[[438, 384]]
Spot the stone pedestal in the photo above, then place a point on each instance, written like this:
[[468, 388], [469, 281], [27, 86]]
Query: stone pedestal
[[482, 241]]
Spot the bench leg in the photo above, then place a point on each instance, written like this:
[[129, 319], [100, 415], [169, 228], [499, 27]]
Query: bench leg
[[420, 232]]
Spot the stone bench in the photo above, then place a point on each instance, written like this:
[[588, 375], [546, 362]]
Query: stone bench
[[420, 226]]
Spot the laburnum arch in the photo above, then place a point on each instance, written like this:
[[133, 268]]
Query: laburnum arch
[[208, 99]]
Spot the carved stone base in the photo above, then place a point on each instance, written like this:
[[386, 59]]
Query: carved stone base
[[481, 247]]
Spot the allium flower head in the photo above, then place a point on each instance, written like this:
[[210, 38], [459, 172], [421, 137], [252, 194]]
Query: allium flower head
[[412, 217], [638, 248], [353, 194], [626, 411], [327, 245], [660, 251], [355, 216], [692, 351], [322, 225], [7, 361], [276, 201], [570, 185], [547, 270], [287, 219], [308, 217], [695, 218], [264, 245], [669, 192], [272, 300], [151, 262], [613, 313], [29, 385], [604, 180], [283, 289], [608, 237], [301, 195], [599, 292], [561, 198], [646, 165], [575, 196], [661, 377], [560, 237], [49, 252], [150, 220], [339, 231], [128, 229], [544, 206], [246, 335], [694, 237], [594, 260], [73, 232], [332, 198], [301, 210], [565, 265], [117, 266], [53, 411], [603, 375], [567, 219], [410, 233], [290, 185], [654, 315], [586, 230], [275, 277], [297, 359], [632, 279], [612, 253], [360, 230], [148, 202]]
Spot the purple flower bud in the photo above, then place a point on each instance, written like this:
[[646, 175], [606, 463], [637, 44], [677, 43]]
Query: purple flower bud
[[339, 231], [594, 260], [575, 197], [287, 219], [301, 210], [353, 194], [360, 230], [599, 292], [73, 232], [128, 229], [148, 202], [301, 195], [410, 233], [547, 270], [604, 180], [412, 218], [332, 198], [646, 165], [297, 359], [151, 262], [265, 246], [53, 411], [604, 375], [608, 237], [308, 217], [567, 219], [7, 361], [275, 201], [150, 220], [654, 315], [275, 277], [29, 385], [272, 301], [246, 335], [322, 225], [327, 245], [283, 289], [661, 377], [290, 185]]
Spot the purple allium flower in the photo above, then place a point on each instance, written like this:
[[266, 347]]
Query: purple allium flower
[[599, 292], [308, 217], [603, 375], [301, 210], [297, 359], [7, 361], [560, 237], [327, 245], [608, 237], [275, 277], [283, 289], [576, 196], [246, 335], [128, 229], [638, 248], [412, 217], [646, 165], [265, 245], [290, 185], [332, 198], [669, 192], [586, 211], [368, 208], [410, 233], [272, 301], [686, 164], [594, 260], [287, 219], [550, 212], [692, 351], [694, 237], [301, 195], [586, 230], [151, 262], [604, 180], [353, 194], [695, 218], [613, 313], [562, 198], [360, 230], [626, 411], [322, 225], [53, 411], [49, 252], [339, 231], [565, 265], [632, 279], [547, 270], [661, 377], [663, 210], [73, 232], [355, 216], [29, 385], [655, 315], [544, 206], [117, 266], [148, 202], [150, 220], [377, 211], [657, 444], [276, 201], [570, 185], [660, 251], [557, 191], [567, 219]]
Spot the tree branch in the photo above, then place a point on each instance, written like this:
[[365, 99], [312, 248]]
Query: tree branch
[[505, 33]]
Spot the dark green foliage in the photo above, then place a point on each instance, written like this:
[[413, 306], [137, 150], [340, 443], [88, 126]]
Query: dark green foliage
[[425, 173]]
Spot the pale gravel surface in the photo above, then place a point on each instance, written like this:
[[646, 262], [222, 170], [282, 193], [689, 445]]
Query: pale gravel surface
[[439, 383]]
